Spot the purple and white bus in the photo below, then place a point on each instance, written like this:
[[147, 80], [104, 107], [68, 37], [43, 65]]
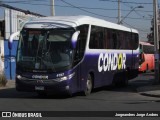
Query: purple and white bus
[[74, 54]]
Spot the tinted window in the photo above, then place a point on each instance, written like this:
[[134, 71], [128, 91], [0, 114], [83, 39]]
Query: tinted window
[[148, 49], [105, 38], [96, 38], [135, 40], [108, 39]]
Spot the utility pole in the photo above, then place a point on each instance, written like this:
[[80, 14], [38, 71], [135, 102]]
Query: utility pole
[[119, 11], [52, 8], [156, 42], [10, 53]]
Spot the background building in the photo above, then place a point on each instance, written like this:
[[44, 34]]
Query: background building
[[12, 22]]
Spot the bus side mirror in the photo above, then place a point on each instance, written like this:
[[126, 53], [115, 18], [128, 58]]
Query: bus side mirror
[[75, 38], [11, 39]]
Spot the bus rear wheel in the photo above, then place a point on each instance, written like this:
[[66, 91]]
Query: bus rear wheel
[[89, 85]]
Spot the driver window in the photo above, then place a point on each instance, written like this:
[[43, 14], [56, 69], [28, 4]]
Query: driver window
[[81, 43]]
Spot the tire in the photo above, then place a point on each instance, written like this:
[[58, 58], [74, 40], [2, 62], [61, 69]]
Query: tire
[[89, 86]]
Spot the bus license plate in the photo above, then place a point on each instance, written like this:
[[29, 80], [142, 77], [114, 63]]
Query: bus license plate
[[39, 87]]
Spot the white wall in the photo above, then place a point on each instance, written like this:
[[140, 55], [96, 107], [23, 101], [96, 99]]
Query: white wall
[[16, 20]]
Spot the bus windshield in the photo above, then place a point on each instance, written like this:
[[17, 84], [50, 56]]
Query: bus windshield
[[40, 49]]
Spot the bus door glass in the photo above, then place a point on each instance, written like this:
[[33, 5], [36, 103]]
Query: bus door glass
[[79, 53]]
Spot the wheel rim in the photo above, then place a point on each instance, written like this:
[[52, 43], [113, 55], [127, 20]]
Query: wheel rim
[[88, 85]]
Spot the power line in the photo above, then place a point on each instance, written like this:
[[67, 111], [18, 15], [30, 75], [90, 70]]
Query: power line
[[79, 7], [135, 27], [139, 18], [128, 2], [142, 17], [140, 30], [137, 12], [24, 2], [17, 1], [86, 10], [95, 13]]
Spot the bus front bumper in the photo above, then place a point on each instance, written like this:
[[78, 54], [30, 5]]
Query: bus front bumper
[[42, 85]]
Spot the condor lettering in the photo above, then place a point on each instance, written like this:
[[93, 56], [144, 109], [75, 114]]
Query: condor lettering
[[111, 61]]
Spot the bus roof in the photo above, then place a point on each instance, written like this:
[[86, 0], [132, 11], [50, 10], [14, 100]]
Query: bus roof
[[74, 21]]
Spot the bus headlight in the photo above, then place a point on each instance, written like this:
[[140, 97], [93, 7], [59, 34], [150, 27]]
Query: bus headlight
[[63, 78], [66, 77]]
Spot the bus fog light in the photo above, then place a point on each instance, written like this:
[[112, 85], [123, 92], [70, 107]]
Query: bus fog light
[[19, 77], [67, 87]]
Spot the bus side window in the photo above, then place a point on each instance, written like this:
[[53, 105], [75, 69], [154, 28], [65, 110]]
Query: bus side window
[[92, 36], [135, 41], [96, 38], [120, 40], [101, 39], [106, 40], [110, 40], [114, 38], [128, 39]]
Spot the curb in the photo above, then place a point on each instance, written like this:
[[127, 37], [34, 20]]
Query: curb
[[150, 94], [150, 90]]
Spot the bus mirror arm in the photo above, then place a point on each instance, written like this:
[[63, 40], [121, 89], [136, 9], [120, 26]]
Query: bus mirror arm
[[75, 38], [11, 39]]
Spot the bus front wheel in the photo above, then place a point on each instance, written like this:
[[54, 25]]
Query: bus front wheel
[[89, 85]]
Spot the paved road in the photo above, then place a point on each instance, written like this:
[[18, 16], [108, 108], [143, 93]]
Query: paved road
[[102, 99]]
